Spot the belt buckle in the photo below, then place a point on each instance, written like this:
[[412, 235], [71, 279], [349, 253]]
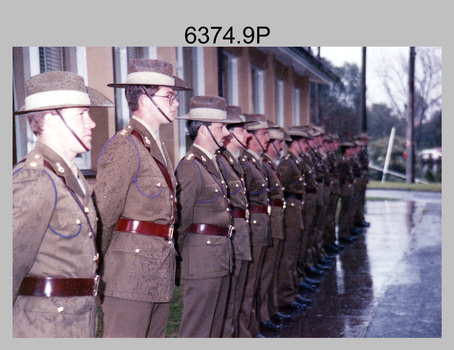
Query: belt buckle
[[248, 214], [268, 210], [170, 236], [284, 205], [230, 231], [96, 285]]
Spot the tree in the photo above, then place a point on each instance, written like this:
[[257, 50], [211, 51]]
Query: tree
[[428, 83]]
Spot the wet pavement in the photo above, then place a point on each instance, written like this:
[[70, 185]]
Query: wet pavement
[[387, 284]]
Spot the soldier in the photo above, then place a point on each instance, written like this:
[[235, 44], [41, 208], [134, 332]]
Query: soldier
[[227, 158], [293, 183], [205, 221], [55, 259], [307, 169], [330, 245], [269, 314], [346, 181], [135, 194], [320, 262], [257, 191], [363, 157]]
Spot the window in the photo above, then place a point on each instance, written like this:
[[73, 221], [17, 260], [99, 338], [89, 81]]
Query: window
[[258, 103], [279, 102], [36, 60]]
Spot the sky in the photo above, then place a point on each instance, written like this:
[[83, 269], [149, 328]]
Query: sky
[[375, 55]]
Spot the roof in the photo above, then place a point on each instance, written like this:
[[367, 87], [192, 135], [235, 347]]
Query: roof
[[304, 63]]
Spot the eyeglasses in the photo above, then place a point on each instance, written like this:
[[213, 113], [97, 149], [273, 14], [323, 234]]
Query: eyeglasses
[[172, 98]]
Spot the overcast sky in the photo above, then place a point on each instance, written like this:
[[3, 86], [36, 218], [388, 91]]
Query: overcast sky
[[375, 56]]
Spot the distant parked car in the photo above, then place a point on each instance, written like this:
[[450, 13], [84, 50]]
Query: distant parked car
[[427, 153]]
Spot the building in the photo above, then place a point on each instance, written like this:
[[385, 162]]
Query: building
[[275, 81]]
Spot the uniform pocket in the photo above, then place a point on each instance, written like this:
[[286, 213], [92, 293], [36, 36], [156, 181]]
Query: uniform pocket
[[67, 223]]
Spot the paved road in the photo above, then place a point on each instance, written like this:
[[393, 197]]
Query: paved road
[[388, 283]]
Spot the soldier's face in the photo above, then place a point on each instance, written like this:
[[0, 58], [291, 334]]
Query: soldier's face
[[80, 121], [167, 101], [219, 132], [264, 137], [303, 144], [240, 133]]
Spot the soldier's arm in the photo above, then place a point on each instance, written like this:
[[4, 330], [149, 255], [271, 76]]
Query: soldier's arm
[[189, 183], [117, 166], [34, 198]]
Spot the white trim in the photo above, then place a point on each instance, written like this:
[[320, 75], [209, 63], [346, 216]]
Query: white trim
[[149, 78], [280, 102], [296, 107], [181, 123], [123, 108], [81, 64], [200, 71], [152, 52], [259, 104], [207, 113], [83, 160], [57, 98]]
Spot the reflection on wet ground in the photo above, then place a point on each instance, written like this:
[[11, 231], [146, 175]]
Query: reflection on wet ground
[[346, 301]]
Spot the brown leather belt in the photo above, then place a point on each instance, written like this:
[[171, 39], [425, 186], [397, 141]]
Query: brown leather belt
[[59, 287], [211, 229], [240, 213], [258, 208], [145, 228], [277, 203]]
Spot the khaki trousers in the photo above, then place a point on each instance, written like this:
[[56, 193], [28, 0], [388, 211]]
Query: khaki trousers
[[238, 281], [267, 282], [247, 318], [123, 318], [205, 303]]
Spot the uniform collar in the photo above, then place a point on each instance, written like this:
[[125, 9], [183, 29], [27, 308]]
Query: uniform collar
[[61, 167]]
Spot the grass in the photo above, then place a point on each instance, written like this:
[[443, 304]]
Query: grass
[[176, 310], [431, 187]]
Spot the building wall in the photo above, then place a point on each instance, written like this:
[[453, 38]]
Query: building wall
[[100, 72]]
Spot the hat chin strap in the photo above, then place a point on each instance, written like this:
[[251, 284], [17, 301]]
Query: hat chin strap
[[155, 104], [217, 144], [236, 138], [72, 131], [260, 144], [275, 148]]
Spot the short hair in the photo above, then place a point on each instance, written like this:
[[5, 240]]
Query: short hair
[[36, 120], [133, 93], [193, 127]]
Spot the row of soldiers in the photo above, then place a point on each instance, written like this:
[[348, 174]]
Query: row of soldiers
[[237, 224]]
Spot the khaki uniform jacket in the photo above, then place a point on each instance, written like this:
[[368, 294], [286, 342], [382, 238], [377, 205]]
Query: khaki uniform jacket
[[130, 185], [363, 157], [345, 176], [293, 182], [236, 189], [320, 174], [308, 169], [276, 192], [334, 173], [51, 238], [257, 191], [202, 199]]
